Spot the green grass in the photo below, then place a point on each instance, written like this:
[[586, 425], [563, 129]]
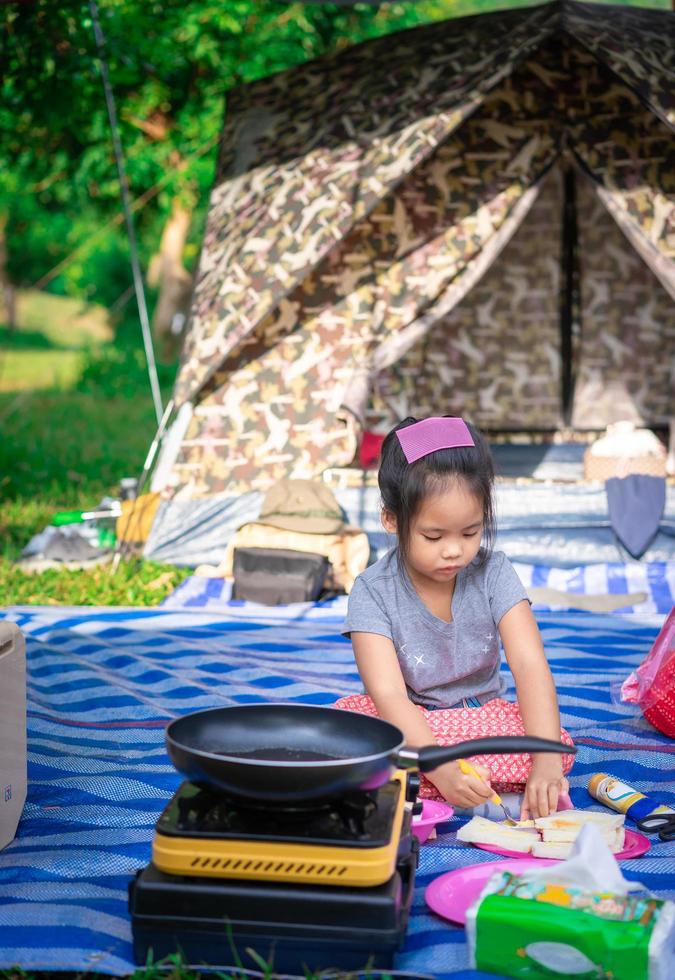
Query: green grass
[[61, 320], [76, 416], [134, 583], [66, 448], [30, 370], [48, 346]]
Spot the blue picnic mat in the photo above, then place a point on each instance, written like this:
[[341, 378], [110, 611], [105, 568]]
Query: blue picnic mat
[[102, 685], [648, 587]]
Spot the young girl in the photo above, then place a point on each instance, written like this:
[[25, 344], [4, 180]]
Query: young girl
[[425, 621]]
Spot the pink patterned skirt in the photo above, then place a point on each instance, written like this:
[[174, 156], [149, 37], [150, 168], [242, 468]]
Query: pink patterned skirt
[[452, 725]]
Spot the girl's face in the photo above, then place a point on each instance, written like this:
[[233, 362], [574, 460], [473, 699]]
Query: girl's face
[[445, 534]]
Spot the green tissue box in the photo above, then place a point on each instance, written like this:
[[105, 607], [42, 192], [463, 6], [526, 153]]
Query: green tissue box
[[539, 930]]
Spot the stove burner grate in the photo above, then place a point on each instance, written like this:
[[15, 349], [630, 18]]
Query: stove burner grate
[[198, 811]]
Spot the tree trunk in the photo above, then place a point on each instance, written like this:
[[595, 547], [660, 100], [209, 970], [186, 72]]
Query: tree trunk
[[7, 288], [175, 282]]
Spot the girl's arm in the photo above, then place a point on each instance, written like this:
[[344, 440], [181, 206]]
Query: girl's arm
[[382, 678], [538, 706]]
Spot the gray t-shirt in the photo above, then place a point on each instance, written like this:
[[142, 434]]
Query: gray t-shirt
[[441, 662]]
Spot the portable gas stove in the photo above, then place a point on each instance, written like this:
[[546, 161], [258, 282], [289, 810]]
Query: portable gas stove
[[350, 841], [329, 885]]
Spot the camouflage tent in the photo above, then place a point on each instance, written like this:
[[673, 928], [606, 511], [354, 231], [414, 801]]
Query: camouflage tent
[[473, 217]]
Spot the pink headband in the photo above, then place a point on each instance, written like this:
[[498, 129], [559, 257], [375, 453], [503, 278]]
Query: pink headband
[[427, 436]]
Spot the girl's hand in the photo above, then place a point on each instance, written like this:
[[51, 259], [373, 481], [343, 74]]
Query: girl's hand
[[459, 788], [544, 786]]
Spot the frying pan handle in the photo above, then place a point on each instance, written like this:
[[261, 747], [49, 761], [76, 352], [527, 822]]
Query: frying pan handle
[[435, 755]]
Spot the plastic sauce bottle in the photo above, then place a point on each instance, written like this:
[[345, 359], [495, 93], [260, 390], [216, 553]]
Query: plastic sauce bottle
[[623, 798]]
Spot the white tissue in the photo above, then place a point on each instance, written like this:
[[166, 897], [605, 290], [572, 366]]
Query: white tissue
[[590, 866]]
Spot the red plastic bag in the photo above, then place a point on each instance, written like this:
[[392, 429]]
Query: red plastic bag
[[652, 685]]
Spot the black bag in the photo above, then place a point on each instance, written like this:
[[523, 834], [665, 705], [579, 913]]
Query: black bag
[[274, 576]]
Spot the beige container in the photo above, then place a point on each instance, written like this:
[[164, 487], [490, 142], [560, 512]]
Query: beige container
[[605, 467], [624, 450], [13, 779]]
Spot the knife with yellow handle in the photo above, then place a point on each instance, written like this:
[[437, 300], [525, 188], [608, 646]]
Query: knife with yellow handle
[[469, 770]]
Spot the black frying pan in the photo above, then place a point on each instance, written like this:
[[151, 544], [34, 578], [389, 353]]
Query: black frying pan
[[288, 753]]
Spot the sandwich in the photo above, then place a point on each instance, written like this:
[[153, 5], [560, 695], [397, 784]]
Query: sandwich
[[560, 830], [549, 837], [480, 830], [574, 820]]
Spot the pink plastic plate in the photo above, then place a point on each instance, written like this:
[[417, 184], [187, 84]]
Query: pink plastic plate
[[635, 846], [433, 812], [453, 893]]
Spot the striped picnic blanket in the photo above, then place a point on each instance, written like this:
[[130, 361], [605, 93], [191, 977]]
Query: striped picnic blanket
[[649, 587], [102, 685]]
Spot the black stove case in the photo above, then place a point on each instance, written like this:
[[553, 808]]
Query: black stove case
[[293, 927]]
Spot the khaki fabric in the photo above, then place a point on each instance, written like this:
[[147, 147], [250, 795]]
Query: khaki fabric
[[600, 603], [136, 518], [348, 552], [302, 505]]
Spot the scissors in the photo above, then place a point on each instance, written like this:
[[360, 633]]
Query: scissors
[[661, 823]]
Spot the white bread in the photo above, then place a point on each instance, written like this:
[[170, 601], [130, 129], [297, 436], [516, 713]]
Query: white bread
[[503, 828], [551, 836], [479, 830], [614, 836], [560, 836], [522, 846], [575, 819], [568, 836], [562, 849], [546, 849]]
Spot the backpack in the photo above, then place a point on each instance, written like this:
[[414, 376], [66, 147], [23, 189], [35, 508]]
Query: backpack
[[274, 576]]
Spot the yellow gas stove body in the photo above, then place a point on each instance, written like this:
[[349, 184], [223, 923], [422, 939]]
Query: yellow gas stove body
[[359, 850]]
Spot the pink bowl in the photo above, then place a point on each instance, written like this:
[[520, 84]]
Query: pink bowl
[[433, 812]]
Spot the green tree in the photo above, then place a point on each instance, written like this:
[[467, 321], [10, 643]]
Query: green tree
[[171, 65]]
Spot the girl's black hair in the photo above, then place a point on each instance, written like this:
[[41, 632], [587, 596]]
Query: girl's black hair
[[404, 485]]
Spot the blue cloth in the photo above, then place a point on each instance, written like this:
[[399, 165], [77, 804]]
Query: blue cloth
[[636, 504], [102, 683]]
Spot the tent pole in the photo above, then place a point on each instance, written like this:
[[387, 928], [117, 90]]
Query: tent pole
[[570, 316], [126, 204]]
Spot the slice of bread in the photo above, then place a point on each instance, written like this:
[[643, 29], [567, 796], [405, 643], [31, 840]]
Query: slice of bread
[[567, 836], [547, 849], [564, 828], [559, 836], [563, 849], [479, 830], [575, 819]]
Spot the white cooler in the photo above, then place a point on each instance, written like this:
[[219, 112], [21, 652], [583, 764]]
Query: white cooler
[[13, 779]]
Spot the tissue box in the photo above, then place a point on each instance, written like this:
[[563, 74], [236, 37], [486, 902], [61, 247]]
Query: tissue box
[[531, 928]]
